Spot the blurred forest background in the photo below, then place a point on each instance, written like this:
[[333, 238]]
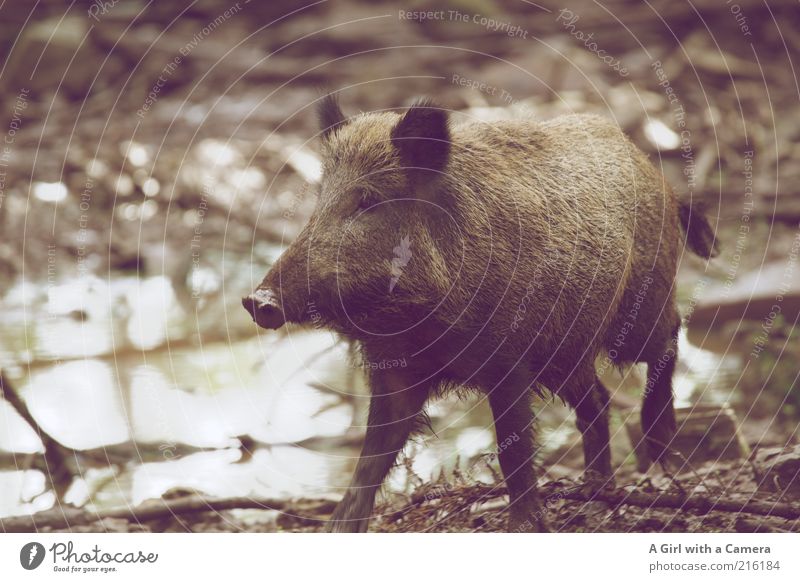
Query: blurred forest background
[[154, 161]]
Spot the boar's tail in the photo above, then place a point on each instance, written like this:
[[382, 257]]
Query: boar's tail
[[700, 237]]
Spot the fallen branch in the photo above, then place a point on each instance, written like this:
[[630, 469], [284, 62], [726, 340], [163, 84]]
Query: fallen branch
[[55, 454], [699, 503], [616, 497], [64, 518]]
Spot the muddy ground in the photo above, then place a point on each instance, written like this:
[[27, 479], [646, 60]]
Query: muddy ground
[[174, 142]]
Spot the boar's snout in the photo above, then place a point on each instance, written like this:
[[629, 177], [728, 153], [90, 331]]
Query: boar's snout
[[265, 309]]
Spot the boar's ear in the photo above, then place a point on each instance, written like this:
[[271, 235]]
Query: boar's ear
[[329, 114], [422, 137]]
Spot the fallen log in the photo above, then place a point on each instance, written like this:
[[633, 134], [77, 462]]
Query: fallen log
[[64, 518]]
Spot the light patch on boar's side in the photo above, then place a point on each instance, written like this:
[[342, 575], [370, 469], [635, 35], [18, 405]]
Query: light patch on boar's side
[[402, 255]]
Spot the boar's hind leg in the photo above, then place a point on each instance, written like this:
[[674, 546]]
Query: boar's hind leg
[[658, 411], [591, 408], [513, 421], [394, 411]]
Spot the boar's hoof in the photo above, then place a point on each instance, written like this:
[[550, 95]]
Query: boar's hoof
[[527, 525], [595, 481], [526, 518], [347, 526], [263, 306]]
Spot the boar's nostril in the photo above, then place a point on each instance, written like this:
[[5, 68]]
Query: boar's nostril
[[263, 306]]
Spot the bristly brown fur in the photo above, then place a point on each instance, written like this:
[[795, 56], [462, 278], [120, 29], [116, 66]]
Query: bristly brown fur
[[502, 257]]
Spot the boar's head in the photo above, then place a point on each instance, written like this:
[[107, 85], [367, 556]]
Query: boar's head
[[369, 254]]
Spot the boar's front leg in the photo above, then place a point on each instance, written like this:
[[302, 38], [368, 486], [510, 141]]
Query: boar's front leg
[[513, 422], [394, 411]]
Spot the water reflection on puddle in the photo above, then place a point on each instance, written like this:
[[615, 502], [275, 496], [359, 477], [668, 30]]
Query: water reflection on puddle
[[91, 361], [205, 398], [223, 418]]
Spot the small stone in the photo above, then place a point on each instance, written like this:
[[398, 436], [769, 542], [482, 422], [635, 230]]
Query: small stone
[[779, 469]]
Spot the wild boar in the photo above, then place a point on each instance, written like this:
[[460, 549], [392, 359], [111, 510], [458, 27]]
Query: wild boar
[[503, 257]]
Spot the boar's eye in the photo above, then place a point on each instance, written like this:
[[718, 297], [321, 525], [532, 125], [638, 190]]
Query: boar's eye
[[364, 201]]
